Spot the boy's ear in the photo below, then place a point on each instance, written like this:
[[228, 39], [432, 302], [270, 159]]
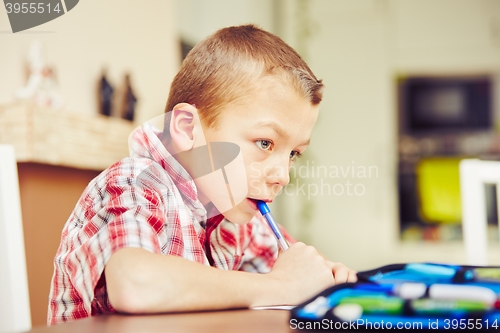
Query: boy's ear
[[185, 127]]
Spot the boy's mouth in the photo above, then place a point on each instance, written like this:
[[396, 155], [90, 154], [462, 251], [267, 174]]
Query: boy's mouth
[[253, 202]]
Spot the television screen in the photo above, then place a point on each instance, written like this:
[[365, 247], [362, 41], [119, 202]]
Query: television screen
[[445, 104]]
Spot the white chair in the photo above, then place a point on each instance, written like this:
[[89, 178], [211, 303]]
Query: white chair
[[14, 298], [473, 175]]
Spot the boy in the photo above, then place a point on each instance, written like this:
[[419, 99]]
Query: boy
[[152, 234]]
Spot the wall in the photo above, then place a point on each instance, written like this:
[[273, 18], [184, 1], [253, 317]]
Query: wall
[[125, 36], [446, 35], [196, 19], [349, 49], [359, 48]]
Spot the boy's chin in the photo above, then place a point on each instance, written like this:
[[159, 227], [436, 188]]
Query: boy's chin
[[238, 216]]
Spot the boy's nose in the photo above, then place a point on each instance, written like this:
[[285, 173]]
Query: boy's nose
[[278, 175]]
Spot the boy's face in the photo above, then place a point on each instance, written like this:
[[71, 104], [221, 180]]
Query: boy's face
[[272, 128]]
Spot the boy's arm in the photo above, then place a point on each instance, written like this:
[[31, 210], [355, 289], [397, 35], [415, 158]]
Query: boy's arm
[[139, 281]]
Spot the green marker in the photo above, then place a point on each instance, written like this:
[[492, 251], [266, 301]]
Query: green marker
[[487, 274], [377, 304], [445, 307]]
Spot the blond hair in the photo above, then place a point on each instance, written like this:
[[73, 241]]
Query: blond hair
[[226, 67]]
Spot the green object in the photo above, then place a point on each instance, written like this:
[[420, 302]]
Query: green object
[[438, 182], [487, 273], [376, 304], [444, 307]]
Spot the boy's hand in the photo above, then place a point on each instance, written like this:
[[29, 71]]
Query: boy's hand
[[301, 273], [341, 273]]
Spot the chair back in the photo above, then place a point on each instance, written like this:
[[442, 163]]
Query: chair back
[[14, 298], [473, 175]]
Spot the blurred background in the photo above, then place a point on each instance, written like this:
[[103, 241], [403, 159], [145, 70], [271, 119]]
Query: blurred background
[[411, 88]]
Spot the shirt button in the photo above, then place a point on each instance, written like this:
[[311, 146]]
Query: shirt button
[[200, 211]]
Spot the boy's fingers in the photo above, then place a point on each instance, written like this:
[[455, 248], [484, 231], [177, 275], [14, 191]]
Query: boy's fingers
[[353, 276], [341, 273]]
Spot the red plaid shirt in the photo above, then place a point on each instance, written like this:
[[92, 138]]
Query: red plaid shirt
[[159, 212]]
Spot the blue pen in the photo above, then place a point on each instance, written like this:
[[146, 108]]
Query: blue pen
[[431, 271], [266, 213]]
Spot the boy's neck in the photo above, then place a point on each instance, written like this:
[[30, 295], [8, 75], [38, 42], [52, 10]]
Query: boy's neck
[[173, 149]]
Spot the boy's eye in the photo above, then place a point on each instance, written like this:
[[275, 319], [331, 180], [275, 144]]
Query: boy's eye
[[294, 155], [264, 144]]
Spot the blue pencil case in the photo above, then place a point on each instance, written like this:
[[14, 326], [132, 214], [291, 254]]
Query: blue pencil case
[[423, 296]]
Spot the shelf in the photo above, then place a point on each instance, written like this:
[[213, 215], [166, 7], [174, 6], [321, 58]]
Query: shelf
[[63, 138]]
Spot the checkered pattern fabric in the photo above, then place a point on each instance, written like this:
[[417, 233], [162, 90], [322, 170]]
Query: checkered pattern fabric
[[146, 201]]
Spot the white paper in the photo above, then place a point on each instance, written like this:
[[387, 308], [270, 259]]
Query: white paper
[[274, 307]]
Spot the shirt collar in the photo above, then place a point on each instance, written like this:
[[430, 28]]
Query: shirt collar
[[145, 141]]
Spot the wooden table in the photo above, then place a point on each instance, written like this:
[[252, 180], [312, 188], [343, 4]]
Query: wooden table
[[241, 321]]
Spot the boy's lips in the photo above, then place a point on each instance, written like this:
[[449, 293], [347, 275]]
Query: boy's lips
[[253, 202]]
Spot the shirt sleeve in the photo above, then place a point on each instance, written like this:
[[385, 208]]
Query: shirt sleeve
[[114, 212], [261, 251]]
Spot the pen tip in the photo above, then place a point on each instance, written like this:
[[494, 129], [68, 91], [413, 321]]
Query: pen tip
[[262, 206]]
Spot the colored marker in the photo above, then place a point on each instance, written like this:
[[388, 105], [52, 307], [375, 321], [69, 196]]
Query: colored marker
[[266, 213], [406, 290], [487, 274], [462, 292], [376, 304], [348, 312], [445, 307], [431, 271]]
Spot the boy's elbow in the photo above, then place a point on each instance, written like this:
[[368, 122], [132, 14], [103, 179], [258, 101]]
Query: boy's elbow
[[133, 284], [123, 295], [132, 295], [125, 300], [124, 281]]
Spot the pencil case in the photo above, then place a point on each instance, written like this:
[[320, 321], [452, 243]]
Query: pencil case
[[418, 296]]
